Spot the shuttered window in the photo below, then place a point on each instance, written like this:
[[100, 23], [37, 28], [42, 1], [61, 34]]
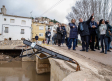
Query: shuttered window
[[23, 22], [12, 20], [22, 31], [6, 29]]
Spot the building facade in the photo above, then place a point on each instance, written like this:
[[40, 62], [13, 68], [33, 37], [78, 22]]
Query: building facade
[[14, 27], [40, 30]]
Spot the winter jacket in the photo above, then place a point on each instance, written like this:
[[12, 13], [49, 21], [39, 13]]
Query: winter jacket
[[92, 30], [73, 31], [59, 33], [64, 31], [36, 37], [85, 25], [98, 32], [48, 34], [108, 29]]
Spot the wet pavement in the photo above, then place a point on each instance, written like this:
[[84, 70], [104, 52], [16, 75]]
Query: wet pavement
[[21, 71]]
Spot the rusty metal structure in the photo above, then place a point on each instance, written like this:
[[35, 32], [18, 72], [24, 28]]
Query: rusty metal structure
[[49, 53]]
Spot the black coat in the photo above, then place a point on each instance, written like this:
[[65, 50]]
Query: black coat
[[85, 25], [48, 34], [59, 33], [92, 30]]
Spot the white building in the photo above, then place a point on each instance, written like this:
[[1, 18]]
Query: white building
[[14, 27]]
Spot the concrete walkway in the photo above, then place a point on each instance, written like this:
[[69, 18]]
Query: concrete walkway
[[93, 55]]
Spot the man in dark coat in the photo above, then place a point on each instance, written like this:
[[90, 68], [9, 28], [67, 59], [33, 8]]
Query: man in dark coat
[[36, 38], [97, 37], [48, 36], [92, 27], [59, 34], [83, 30]]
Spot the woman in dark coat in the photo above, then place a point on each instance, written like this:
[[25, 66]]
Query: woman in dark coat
[[73, 34], [59, 34]]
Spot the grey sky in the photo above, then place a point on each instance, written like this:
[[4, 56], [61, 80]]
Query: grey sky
[[24, 7]]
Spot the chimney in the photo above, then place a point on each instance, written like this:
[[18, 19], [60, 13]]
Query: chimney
[[3, 9]]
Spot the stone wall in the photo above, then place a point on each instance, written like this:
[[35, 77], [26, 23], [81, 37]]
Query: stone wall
[[42, 66], [11, 44]]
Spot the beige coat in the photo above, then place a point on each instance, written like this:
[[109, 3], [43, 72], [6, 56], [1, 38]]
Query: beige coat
[[67, 30]]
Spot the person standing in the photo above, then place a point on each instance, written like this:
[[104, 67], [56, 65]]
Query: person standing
[[55, 38], [109, 38], [73, 34], [97, 37], [48, 36], [104, 34], [83, 30], [93, 26], [36, 38], [59, 34], [64, 33], [67, 34]]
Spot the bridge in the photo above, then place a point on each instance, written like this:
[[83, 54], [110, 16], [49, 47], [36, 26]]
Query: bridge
[[94, 66]]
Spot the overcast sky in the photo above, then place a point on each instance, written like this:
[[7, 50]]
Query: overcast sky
[[24, 7]]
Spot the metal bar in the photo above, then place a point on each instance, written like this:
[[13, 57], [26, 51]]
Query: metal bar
[[29, 54], [25, 55], [52, 53], [27, 49], [43, 57]]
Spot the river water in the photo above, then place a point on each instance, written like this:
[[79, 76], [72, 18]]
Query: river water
[[21, 71]]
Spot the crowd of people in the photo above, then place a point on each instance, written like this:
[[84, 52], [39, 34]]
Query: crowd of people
[[92, 35]]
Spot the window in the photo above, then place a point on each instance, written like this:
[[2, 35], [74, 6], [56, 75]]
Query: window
[[12, 20], [23, 22], [22, 31], [41, 27], [6, 29], [41, 34], [4, 19]]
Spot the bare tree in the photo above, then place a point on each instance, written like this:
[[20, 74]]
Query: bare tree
[[102, 9]]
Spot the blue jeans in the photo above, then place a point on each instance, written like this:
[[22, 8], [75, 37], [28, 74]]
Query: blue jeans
[[76, 42], [63, 40], [108, 46], [105, 40], [70, 43], [48, 40]]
